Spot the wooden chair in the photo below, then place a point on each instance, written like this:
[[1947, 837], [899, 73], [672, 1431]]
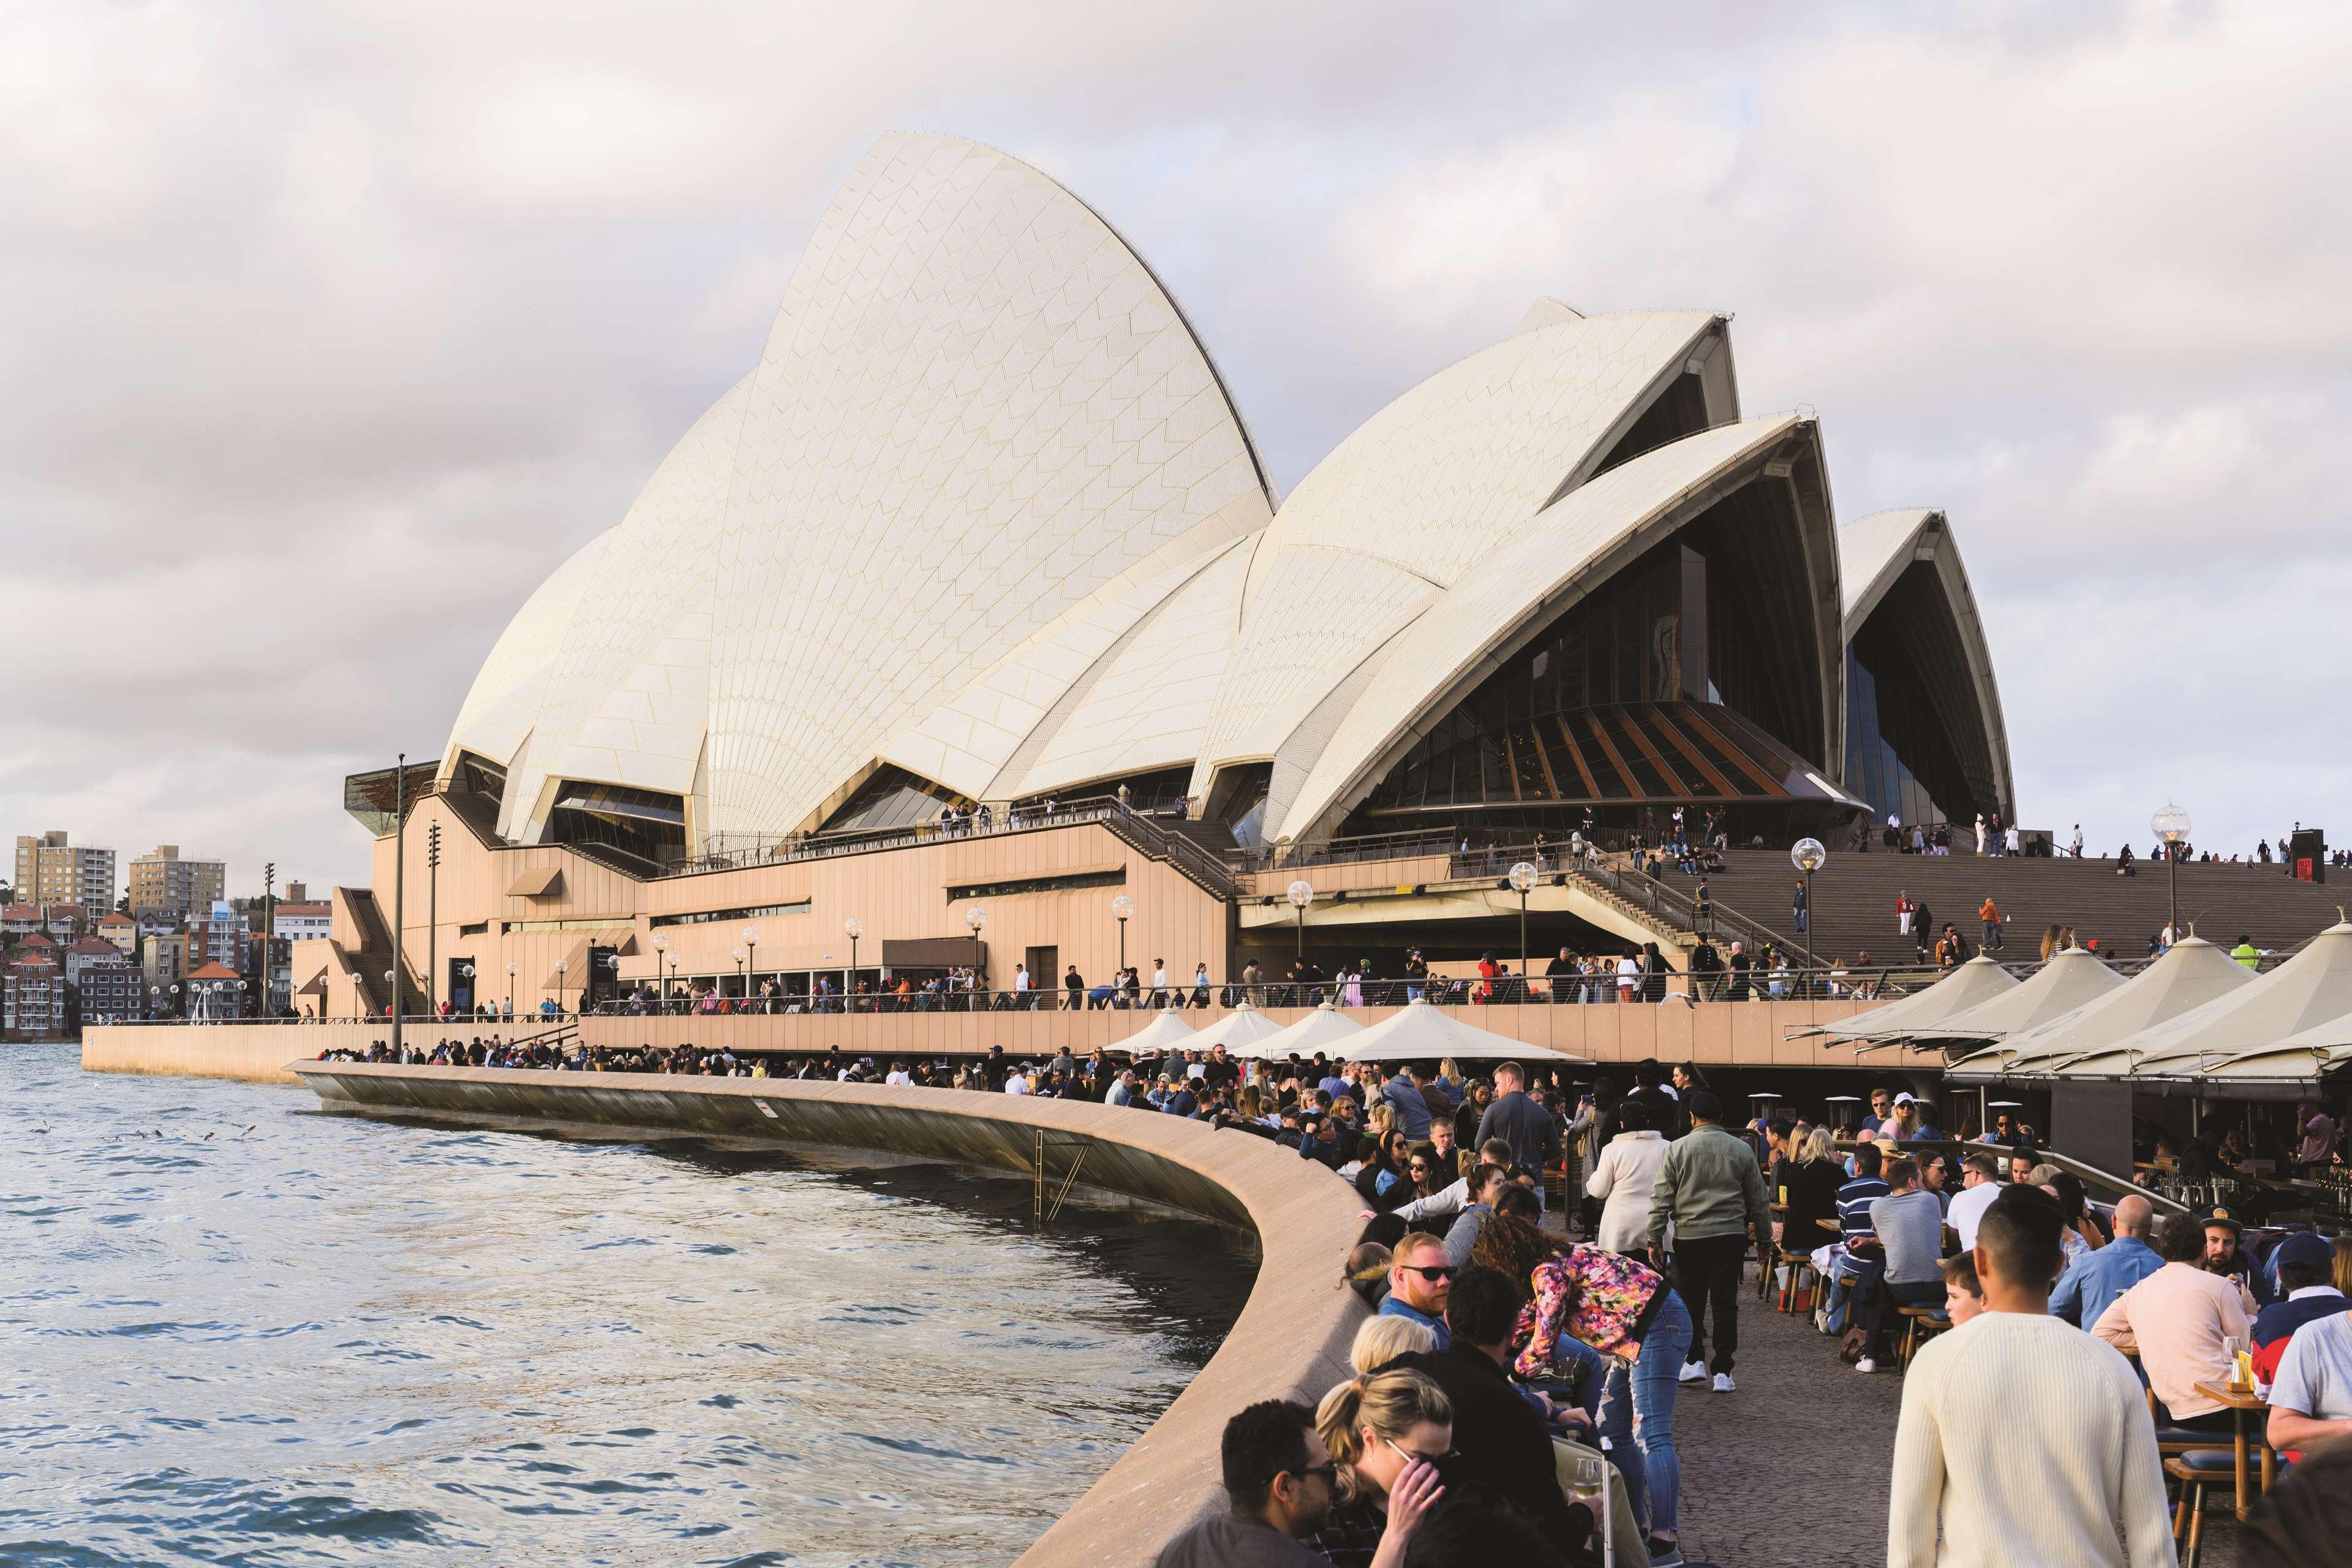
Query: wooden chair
[[2196, 1470], [1919, 1325], [1805, 1280]]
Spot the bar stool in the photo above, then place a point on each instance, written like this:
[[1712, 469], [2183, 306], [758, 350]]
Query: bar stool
[[1920, 1324], [2195, 1470], [1802, 1281]]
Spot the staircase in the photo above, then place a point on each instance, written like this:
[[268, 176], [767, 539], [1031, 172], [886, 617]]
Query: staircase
[[1158, 839], [1854, 901]]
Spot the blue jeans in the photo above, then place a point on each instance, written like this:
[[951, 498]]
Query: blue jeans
[[1643, 1396]]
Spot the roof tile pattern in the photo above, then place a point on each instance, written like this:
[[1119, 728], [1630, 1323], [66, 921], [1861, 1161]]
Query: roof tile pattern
[[1417, 496], [979, 428]]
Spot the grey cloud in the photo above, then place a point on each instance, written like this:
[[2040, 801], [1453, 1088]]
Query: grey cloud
[[349, 321]]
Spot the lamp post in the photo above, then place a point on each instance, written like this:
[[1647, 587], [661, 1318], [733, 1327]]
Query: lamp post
[[511, 974], [2171, 828], [1121, 907], [432, 919], [975, 917], [661, 972], [268, 934], [399, 891], [1808, 855], [467, 972], [562, 964], [1301, 893], [752, 956], [1523, 882], [852, 928]]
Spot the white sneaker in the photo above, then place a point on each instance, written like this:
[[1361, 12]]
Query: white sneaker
[[1693, 1371], [1865, 1364], [1723, 1384]]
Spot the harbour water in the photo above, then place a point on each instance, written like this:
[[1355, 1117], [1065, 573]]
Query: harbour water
[[235, 1328]]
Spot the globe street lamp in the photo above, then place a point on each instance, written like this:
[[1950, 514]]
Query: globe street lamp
[[1808, 855], [661, 972], [466, 971], [2171, 828], [511, 974], [1300, 893], [1121, 907], [562, 964], [975, 917], [1523, 882]]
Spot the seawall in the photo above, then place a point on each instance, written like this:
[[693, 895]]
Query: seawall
[[1718, 1033], [1291, 1341]]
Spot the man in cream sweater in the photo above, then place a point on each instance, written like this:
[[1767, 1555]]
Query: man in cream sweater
[[2024, 1443]]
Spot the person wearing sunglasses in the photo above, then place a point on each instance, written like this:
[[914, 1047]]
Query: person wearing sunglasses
[[1279, 1482], [1390, 1433], [1420, 1275]]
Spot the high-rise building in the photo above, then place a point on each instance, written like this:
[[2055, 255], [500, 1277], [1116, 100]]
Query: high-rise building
[[49, 870], [161, 879]]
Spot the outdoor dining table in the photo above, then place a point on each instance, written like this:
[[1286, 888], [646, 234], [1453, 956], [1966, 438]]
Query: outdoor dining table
[[2246, 1405]]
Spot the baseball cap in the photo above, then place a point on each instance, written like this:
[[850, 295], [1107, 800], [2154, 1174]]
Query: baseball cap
[[2306, 1249], [2223, 1216]]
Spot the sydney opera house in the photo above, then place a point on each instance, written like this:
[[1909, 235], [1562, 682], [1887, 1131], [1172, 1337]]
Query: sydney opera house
[[974, 595]]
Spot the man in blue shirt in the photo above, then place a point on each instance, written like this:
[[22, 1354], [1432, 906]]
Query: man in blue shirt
[[2306, 1269], [1402, 1094], [2090, 1283], [1420, 1277]]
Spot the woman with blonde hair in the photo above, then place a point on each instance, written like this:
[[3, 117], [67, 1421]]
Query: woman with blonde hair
[[1380, 1340], [1387, 1432]]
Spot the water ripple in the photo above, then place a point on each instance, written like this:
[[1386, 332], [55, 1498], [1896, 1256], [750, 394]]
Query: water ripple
[[341, 1340]]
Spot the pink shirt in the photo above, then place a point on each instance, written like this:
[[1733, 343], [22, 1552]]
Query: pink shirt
[[2177, 1318]]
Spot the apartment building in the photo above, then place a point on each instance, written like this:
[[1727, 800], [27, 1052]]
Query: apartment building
[[51, 870], [161, 880]]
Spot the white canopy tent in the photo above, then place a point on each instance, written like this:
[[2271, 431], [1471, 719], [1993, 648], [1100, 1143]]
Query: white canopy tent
[[1420, 1032], [1981, 979], [1325, 1029], [2191, 974], [2309, 990], [1235, 1031], [2073, 978], [1166, 1032]]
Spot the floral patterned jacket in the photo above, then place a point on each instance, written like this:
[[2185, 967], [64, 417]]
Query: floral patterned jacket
[[1613, 1297]]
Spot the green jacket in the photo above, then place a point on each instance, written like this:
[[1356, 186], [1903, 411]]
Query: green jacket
[[1709, 1185]]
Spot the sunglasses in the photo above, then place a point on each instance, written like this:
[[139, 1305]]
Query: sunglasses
[[1331, 1473], [1433, 1272], [1425, 1458], [1418, 1165]]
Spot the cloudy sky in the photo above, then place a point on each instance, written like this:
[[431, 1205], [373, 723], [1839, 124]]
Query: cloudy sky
[[330, 328]]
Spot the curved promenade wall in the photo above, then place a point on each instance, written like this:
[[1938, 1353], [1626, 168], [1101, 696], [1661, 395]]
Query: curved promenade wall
[[1291, 1341]]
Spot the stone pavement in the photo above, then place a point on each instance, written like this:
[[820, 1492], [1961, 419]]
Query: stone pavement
[[1791, 1470]]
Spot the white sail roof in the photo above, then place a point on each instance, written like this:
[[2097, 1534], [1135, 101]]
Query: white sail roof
[[1166, 1032]]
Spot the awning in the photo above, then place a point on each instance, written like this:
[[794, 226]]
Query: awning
[[540, 882], [2192, 973], [2309, 991], [2073, 977], [1420, 1032], [1981, 979]]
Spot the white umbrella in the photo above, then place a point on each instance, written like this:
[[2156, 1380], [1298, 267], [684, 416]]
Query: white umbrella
[[2192, 973], [2311, 989], [1166, 1032], [1325, 1029], [1234, 1031], [1981, 979], [2073, 978], [1419, 1032]]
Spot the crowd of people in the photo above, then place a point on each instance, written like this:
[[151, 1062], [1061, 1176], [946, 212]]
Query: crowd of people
[[1508, 1359], [1514, 1393]]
